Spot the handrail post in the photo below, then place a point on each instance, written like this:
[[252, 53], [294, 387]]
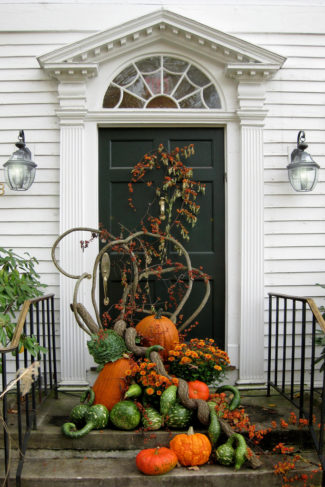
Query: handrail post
[[269, 347], [302, 363], [5, 417]]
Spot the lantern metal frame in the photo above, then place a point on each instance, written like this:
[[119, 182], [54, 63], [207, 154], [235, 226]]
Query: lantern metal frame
[[20, 169], [302, 170]]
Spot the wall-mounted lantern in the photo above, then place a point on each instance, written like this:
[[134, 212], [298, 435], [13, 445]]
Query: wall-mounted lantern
[[302, 170], [20, 169]]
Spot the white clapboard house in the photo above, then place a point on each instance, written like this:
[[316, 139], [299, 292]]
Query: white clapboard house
[[91, 81]]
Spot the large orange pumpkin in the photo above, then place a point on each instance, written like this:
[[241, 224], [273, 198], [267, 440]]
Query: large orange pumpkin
[[110, 384], [158, 330], [191, 448]]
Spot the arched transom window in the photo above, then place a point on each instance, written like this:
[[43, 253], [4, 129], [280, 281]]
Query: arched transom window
[[161, 82]]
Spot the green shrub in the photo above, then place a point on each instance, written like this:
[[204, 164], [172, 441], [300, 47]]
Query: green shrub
[[19, 282]]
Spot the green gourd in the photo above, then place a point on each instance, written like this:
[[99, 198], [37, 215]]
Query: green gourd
[[96, 418], [235, 402], [88, 397], [133, 391], [225, 453], [178, 417], [78, 413], [241, 450], [151, 419], [214, 429], [125, 415], [167, 399]]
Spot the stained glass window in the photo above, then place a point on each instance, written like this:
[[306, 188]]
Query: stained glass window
[[161, 82]]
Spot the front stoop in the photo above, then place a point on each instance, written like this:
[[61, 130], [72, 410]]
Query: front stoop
[[107, 458]]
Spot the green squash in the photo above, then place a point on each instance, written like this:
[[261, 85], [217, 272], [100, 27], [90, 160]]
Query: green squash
[[125, 415], [78, 413], [151, 419], [214, 429], [225, 453], [96, 418], [168, 399], [241, 450], [178, 417], [88, 397], [235, 402], [133, 391]]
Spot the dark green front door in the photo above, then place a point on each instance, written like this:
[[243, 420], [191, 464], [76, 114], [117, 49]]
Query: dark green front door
[[119, 150]]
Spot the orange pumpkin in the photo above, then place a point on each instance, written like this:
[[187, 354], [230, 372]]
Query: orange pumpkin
[[156, 461], [198, 390], [158, 330], [110, 384], [191, 448]]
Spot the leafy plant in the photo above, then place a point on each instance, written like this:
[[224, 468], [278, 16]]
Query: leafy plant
[[106, 347], [19, 282]]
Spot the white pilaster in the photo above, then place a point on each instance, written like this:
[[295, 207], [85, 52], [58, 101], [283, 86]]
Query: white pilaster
[[72, 97], [252, 114], [73, 370]]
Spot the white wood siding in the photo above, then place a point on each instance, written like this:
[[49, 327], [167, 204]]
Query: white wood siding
[[294, 222], [29, 221]]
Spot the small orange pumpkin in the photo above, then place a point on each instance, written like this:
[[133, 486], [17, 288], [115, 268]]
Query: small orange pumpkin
[[110, 384], [158, 330], [198, 390], [191, 448], [156, 461]]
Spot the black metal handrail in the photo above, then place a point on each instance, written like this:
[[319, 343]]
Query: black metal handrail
[[293, 374], [36, 318]]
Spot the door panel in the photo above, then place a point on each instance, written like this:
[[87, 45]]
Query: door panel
[[119, 150]]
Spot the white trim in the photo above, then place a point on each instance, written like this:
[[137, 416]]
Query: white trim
[[161, 23]]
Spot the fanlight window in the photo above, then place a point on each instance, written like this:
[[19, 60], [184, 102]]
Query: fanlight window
[[161, 82]]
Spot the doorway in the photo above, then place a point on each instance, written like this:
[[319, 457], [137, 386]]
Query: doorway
[[119, 150]]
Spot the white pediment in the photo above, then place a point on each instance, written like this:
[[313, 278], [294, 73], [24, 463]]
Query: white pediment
[[82, 59]]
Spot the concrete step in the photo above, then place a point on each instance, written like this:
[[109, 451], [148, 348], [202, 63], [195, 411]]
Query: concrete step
[[119, 470], [261, 410]]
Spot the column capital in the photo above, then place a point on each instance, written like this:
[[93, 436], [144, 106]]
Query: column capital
[[72, 95], [251, 100]]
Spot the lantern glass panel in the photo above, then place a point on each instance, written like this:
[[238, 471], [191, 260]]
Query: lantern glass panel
[[303, 178], [19, 176]]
